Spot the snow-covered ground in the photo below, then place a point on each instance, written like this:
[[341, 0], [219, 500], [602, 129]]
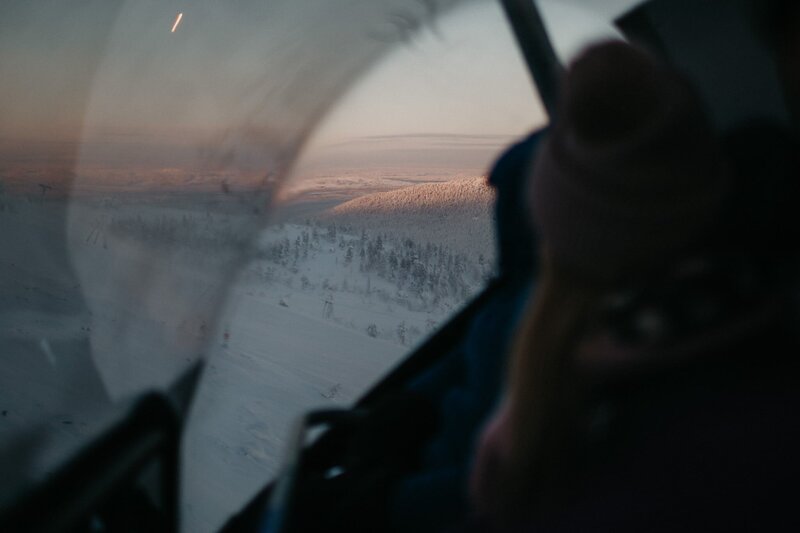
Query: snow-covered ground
[[276, 364], [307, 327], [110, 296], [50, 391]]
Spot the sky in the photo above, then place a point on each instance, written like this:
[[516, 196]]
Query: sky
[[108, 91], [458, 92]]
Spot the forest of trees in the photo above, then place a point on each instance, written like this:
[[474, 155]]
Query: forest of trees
[[424, 270]]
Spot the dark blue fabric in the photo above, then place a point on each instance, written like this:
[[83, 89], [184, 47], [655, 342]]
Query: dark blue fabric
[[516, 240], [464, 407], [465, 384], [435, 496]]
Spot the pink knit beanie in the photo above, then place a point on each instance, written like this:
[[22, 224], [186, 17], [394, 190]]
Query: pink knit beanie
[[631, 176]]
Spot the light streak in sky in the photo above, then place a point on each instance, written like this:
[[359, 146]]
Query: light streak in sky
[[177, 21]]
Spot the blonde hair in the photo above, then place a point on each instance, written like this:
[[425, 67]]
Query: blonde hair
[[544, 391]]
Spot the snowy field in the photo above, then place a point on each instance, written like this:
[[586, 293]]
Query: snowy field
[[50, 391], [114, 296], [313, 322]]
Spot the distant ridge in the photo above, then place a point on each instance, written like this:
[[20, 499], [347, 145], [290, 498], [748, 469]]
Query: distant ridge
[[457, 213]]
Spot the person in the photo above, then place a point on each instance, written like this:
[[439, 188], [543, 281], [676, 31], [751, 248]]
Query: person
[[653, 379]]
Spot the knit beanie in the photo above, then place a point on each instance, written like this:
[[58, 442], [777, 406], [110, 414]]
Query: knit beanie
[[631, 176]]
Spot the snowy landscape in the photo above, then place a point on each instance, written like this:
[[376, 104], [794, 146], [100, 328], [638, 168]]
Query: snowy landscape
[[327, 305], [290, 193], [325, 301]]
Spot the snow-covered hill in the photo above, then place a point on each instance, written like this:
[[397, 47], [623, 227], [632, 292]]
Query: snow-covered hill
[[456, 213]]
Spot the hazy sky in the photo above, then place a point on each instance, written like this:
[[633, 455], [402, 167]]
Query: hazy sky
[[459, 91], [240, 82]]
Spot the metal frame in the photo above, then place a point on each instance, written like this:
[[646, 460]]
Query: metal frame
[[537, 49], [78, 492]]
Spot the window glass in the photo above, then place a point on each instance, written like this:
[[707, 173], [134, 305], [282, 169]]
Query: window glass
[[574, 24], [383, 233], [144, 146], [141, 143]]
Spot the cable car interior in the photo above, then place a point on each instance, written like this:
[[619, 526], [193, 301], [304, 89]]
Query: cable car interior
[[265, 261]]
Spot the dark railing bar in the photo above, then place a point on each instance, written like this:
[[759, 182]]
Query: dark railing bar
[[537, 49]]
